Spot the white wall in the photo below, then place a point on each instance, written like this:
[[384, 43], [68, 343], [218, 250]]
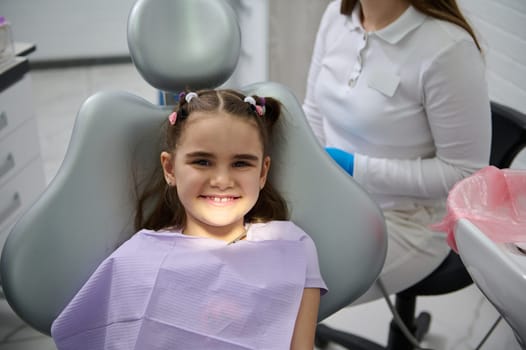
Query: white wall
[[70, 29], [501, 27], [253, 63], [292, 29]]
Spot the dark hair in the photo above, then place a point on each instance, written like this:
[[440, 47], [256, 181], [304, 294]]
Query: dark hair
[[158, 205], [446, 10]]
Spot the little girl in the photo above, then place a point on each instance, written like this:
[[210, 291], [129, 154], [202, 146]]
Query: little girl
[[214, 264]]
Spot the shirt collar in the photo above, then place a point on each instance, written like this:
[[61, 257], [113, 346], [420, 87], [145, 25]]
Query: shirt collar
[[394, 32], [353, 21]]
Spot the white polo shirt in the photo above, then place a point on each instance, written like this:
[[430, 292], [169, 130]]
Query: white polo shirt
[[410, 101]]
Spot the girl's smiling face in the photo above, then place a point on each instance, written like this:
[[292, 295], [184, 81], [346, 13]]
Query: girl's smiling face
[[219, 169]]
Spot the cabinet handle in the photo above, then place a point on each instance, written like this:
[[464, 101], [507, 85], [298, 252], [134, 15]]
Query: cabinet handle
[[3, 120], [10, 208], [8, 165]]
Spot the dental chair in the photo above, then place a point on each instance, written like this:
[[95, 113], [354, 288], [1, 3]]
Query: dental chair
[[87, 210], [508, 139]]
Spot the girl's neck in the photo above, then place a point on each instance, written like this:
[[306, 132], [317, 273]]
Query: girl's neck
[[228, 234], [378, 14]]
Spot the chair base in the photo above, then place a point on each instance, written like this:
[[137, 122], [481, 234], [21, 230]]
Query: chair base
[[396, 340], [326, 335], [419, 328], [450, 276]]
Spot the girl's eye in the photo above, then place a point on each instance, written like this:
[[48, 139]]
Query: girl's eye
[[241, 164], [201, 162]]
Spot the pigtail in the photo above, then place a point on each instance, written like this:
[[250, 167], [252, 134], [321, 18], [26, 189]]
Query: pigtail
[[270, 204], [272, 110], [184, 102]]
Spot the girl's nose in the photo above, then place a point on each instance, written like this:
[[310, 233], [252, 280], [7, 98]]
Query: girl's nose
[[222, 179]]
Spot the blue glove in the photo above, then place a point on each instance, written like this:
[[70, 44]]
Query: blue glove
[[344, 159]]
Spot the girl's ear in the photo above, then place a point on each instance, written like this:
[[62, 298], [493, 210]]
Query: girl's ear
[[168, 168], [264, 172]]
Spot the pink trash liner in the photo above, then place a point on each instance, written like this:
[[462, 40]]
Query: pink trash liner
[[492, 199]]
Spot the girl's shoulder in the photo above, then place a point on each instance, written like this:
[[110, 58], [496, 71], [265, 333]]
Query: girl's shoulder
[[276, 230]]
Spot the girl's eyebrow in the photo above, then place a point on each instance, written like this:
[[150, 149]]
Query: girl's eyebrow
[[246, 156], [198, 154], [202, 154]]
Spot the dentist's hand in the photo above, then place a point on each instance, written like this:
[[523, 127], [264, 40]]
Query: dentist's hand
[[344, 159]]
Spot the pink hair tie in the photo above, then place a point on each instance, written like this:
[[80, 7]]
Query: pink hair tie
[[250, 100], [260, 110], [172, 118]]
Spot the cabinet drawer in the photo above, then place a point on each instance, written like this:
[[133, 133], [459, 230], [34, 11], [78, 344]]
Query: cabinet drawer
[[15, 105], [18, 194], [17, 149]]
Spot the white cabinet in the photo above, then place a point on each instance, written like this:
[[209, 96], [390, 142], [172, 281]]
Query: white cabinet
[[21, 168]]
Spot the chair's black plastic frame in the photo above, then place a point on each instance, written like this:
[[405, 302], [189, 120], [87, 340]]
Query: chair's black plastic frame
[[508, 139]]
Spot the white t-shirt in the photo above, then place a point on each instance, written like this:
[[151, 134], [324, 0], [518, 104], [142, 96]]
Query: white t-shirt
[[410, 102]]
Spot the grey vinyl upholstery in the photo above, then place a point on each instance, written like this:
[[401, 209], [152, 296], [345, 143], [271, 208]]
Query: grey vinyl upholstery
[[202, 36], [88, 208]]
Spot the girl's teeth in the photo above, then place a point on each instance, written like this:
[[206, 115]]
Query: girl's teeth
[[220, 200]]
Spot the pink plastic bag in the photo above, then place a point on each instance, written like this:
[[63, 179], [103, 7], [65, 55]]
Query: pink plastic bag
[[492, 199]]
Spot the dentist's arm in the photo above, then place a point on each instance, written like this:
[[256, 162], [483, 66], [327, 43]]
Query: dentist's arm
[[344, 159]]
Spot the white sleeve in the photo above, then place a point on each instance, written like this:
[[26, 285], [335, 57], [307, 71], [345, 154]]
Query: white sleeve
[[457, 105], [310, 106]]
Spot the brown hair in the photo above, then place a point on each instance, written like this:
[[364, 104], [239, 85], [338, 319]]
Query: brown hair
[[158, 205], [446, 10]]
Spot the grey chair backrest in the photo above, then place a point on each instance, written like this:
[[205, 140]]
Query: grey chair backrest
[[87, 210]]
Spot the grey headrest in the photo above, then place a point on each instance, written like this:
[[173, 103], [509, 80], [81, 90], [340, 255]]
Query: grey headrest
[[184, 43]]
